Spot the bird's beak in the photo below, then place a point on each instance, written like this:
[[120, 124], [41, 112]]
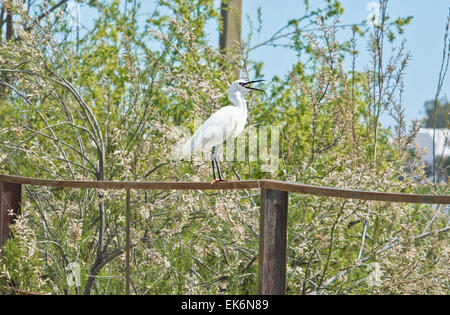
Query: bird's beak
[[251, 88]]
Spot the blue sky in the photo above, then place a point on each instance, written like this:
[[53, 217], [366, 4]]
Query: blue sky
[[424, 40]]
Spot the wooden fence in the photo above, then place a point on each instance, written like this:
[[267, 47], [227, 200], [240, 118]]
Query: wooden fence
[[272, 222]]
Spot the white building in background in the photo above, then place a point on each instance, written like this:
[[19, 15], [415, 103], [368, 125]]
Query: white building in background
[[424, 140]]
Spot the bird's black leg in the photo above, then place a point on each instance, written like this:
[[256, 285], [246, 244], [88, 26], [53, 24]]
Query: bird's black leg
[[216, 165], [218, 171], [213, 167], [212, 163]]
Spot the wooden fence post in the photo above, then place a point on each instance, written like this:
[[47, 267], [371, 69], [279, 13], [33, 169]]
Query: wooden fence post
[[272, 242], [10, 198]]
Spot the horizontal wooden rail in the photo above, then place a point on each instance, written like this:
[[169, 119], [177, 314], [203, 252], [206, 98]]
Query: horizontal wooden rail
[[13, 291], [246, 184], [273, 212]]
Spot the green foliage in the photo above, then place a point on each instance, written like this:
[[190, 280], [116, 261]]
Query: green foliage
[[105, 107]]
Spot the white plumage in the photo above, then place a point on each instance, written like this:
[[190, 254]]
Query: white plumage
[[224, 125]]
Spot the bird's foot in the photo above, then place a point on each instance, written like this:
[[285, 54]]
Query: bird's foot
[[218, 180]]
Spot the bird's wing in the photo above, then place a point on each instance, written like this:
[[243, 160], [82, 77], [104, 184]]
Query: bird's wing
[[215, 129]]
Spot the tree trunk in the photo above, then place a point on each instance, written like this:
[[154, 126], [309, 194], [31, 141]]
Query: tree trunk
[[230, 35]]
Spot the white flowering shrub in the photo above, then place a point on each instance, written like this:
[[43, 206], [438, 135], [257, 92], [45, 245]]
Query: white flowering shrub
[[105, 107]]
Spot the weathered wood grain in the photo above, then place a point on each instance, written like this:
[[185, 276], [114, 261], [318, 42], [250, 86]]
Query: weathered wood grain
[[228, 185], [272, 242]]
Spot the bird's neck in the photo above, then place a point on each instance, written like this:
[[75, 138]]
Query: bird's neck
[[238, 100]]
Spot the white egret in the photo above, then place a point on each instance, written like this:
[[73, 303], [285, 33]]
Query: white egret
[[225, 124]]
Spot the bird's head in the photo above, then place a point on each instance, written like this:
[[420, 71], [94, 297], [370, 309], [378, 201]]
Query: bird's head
[[243, 86]]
